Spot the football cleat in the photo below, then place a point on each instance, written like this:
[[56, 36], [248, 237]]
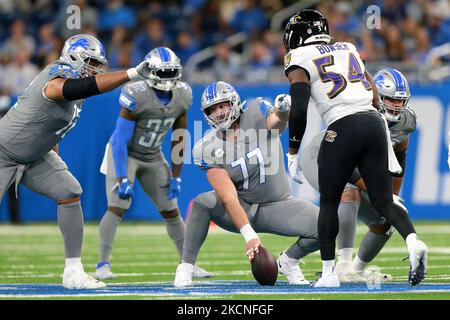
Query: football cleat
[[103, 271], [201, 273], [183, 276], [418, 259], [330, 280], [74, 277], [289, 267]]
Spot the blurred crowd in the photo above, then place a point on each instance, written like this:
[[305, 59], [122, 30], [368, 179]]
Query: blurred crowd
[[32, 32]]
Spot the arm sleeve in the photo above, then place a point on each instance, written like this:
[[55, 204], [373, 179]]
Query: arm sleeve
[[300, 93], [119, 143]]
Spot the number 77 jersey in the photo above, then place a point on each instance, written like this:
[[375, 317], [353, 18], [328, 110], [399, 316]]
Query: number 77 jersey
[[338, 84]]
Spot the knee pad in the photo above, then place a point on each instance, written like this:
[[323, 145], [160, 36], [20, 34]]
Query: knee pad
[[71, 188], [207, 200]]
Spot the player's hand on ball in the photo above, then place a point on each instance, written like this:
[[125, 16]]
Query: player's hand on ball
[[174, 188], [125, 189], [283, 102], [294, 167], [252, 248]]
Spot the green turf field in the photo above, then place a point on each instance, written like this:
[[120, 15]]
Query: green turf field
[[143, 253]]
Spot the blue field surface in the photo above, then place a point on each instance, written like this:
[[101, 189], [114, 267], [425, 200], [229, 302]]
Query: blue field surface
[[210, 288]]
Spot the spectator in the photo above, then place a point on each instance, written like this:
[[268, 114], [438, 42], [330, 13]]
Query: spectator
[[116, 13], [227, 64], [275, 45], [120, 53], [17, 41], [18, 75], [185, 46], [48, 43], [152, 37], [260, 62], [249, 18], [209, 25]]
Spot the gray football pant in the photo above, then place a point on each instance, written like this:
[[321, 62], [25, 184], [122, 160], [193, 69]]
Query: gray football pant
[[50, 177], [291, 217]]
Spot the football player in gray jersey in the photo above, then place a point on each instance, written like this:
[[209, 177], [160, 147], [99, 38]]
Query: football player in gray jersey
[[149, 108], [394, 96], [42, 116], [243, 160]]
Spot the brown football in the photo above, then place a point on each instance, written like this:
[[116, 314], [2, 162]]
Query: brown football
[[264, 267]]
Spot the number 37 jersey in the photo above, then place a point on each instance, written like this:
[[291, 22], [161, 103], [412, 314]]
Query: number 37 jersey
[[153, 118], [338, 84]]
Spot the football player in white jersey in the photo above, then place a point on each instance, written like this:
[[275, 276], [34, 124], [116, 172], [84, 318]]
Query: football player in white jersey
[[394, 93], [357, 135]]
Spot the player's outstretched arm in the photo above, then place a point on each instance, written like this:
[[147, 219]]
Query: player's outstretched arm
[[300, 92], [226, 191], [76, 89]]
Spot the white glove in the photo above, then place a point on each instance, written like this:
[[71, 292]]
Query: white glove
[[283, 102], [141, 71], [400, 202], [294, 167]]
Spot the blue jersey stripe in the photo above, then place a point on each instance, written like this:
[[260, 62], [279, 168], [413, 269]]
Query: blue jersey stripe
[[164, 54]]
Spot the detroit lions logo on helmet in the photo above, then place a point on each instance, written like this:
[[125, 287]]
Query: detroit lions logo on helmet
[[84, 43]]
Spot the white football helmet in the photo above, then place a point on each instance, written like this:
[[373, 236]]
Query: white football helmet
[[166, 68], [392, 83], [218, 92], [85, 54]]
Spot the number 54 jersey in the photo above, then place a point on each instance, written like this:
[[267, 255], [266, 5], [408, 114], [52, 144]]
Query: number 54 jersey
[[338, 83], [153, 118]]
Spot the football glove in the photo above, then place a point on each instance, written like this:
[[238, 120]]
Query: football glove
[[125, 189], [174, 188], [283, 102], [141, 71], [294, 167]]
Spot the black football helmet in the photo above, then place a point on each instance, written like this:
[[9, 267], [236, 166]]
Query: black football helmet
[[305, 27]]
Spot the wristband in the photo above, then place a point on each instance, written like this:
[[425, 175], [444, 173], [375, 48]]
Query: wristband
[[133, 74], [248, 233]]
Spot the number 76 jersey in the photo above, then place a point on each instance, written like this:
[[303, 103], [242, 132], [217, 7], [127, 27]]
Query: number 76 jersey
[[153, 118], [338, 84]]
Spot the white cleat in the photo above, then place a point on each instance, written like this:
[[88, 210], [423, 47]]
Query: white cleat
[[201, 273], [183, 276], [290, 268], [330, 280], [418, 259], [104, 272], [74, 277]]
